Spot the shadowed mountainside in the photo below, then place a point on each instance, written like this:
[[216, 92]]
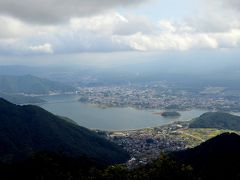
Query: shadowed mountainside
[[25, 130], [217, 158]]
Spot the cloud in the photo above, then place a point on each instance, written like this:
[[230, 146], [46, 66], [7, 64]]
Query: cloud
[[133, 24], [52, 11], [11, 28], [232, 4], [42, 48], [115, 32], [181, 36], [169, 41], [217, 16]]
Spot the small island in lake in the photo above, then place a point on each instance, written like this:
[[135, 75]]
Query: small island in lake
[[170, 114]]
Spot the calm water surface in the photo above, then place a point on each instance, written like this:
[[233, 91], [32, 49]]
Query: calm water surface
[[93, 117]]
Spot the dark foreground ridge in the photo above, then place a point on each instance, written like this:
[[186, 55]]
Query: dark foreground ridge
[[217, 158], [25, 130]]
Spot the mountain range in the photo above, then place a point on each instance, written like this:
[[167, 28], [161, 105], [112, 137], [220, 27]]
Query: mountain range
[[28, 84], [21, 99], [25, 130], [36, 144]]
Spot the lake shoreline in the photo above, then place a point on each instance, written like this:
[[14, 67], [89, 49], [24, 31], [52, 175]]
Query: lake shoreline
[[110, 119]]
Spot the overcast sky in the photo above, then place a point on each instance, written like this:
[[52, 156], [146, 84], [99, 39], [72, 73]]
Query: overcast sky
[[60, 28]]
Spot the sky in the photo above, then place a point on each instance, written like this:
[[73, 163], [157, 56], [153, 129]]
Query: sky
[[35, 32]]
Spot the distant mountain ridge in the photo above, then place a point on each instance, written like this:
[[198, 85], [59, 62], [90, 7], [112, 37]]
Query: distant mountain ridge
[[25, 130], [21, 99], [219, 120], [29, 84]]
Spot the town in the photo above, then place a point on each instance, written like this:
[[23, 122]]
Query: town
[[146, 145], [162, 96]]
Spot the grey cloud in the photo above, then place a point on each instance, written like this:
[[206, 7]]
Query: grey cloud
[[52, 11], [216, 16], [89, 43], [133, 25], [234, 4], [225, 5], [212, 24]]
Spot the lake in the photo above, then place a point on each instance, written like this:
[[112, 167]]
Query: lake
[[93, 117]]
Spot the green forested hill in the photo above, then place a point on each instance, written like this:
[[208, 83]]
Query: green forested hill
[[30, 85], [219, 120], [29, 129]]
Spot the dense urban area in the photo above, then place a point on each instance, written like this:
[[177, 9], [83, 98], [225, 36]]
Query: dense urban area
[[162, 96], [146, 145]]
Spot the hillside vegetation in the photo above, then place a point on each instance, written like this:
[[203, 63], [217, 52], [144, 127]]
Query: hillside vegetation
[[25, 130], [218, 120]]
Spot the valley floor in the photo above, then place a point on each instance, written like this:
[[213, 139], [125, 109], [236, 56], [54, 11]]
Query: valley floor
[[146, 145]]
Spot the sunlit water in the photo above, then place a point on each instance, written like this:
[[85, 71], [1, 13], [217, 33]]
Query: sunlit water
[[91, 116]]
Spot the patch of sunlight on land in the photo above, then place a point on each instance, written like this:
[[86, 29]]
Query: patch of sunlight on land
[[197, 136]]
